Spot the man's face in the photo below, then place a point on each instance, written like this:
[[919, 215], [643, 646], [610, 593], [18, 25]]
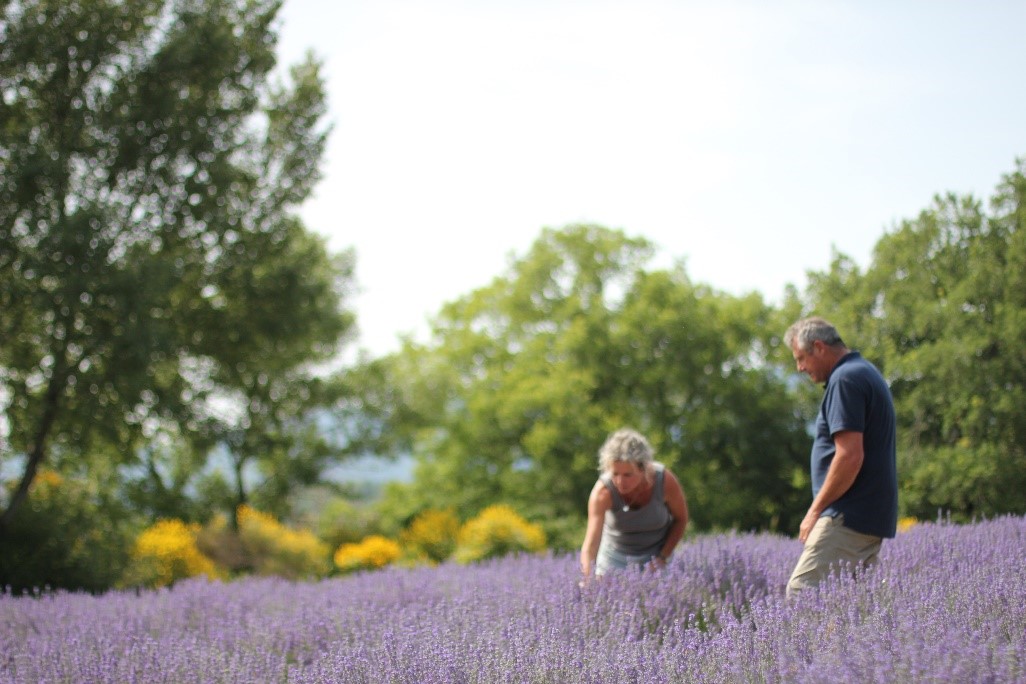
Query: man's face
[[814, 362]]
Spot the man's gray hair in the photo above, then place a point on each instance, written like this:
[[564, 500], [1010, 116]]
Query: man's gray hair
[[809, 330], [625, 446]]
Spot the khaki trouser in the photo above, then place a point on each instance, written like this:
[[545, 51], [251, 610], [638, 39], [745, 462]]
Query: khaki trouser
[[831, 546]]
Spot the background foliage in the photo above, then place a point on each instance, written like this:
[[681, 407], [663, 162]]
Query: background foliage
[[527, 376], [165, 553], [70, 534], [170, 337], [495, 532], [160, 298], [942, 310]]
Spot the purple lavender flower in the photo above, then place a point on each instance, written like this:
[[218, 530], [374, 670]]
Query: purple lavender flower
[[946, 604]]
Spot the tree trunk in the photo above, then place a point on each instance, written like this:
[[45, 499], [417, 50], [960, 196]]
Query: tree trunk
[[38, 451], [240, 490]]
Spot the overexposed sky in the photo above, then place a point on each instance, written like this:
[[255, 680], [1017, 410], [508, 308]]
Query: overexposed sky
[[748, 138]]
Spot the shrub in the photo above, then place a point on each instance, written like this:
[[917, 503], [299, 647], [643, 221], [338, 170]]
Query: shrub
[[166, 552], [907, 523], [372, 553], [497, 531], [431, 535], [67, 534], [265, 547], [218, 541], [342, 522], [562, 533], [280, 550]]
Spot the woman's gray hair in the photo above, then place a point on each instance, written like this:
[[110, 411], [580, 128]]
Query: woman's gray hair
[[809, 330], [625, 446]]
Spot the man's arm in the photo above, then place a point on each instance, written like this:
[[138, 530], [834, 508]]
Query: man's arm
[[844, 468]]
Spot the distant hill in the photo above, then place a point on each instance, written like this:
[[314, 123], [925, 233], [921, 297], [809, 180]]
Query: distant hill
[[373, 470]]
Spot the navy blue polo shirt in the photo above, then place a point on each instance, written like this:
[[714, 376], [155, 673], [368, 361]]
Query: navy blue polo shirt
[[857, 398]]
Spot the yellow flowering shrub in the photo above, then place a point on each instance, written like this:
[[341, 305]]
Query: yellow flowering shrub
[[497, 531], [166, 552], [371, 553], [275, 549], [431, 535], [906, 523]]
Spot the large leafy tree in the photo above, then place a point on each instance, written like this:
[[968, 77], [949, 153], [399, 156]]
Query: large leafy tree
[[942, 309], [525, 378], [152, 272]]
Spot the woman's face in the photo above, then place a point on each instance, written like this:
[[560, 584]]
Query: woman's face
[[626, 477]]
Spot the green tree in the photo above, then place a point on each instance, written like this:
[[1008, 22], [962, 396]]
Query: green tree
[[151, 269], [942, 310], [526, 377]]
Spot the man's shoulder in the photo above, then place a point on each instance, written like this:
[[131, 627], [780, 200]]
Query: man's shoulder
[[858, 377], [855, 365]]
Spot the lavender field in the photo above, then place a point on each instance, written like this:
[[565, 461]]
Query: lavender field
[[948, 604]]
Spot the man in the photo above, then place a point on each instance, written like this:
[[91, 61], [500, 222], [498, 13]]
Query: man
[[854, 470]]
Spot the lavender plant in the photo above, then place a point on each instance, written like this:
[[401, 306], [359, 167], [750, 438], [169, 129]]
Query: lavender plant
[[947, 604]]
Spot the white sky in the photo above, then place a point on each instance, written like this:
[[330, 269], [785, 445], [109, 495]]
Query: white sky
[[749, 138]]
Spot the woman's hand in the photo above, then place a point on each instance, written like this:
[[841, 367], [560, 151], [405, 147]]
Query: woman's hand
[[657, 563]]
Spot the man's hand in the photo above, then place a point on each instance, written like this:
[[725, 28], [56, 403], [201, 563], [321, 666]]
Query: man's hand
[[808, 522], [844, 467]]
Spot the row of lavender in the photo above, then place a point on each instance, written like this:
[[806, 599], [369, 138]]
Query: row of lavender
[[947, 604]]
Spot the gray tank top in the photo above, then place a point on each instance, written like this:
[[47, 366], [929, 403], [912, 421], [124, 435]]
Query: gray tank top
[[638, 531]]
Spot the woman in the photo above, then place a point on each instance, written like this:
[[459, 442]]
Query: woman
[[636, 511]]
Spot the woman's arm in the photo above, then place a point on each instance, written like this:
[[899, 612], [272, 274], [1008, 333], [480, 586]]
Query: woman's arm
[[678, 505], [599, 502]]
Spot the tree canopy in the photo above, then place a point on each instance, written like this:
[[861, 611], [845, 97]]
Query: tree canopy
[[526, 377], [942, 310], [153, 276]]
